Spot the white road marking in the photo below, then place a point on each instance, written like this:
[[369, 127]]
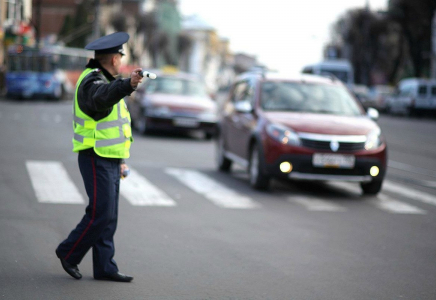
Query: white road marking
[[212, 190], [352, 188], [411, 193], [382, 200], [140, 192], [52, 184], [57, 118], [391, 205], [315, 204]]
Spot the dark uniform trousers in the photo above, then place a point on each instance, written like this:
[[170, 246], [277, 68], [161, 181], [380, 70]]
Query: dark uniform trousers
[[97, 228]]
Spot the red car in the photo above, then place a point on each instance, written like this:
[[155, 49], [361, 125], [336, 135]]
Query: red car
[[174, 101], [304, 128]]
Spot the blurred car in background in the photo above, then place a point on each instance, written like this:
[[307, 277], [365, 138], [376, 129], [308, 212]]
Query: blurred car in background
[[413, 96], [379, 94], [361, 92], [339, 68], [174, 101], [302, 128]]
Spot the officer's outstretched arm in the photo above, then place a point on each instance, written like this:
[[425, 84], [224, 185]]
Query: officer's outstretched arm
[[101, 95]]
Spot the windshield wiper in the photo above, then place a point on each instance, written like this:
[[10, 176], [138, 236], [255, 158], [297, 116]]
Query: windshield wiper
[[323, 111]]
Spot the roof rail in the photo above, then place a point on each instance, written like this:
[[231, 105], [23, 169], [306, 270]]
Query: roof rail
[[262, 70], [330, 76]]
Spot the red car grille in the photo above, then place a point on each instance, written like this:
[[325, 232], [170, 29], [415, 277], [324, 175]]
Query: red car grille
[[324, 145]]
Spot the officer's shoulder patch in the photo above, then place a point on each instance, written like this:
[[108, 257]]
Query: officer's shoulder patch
[[97, 70]]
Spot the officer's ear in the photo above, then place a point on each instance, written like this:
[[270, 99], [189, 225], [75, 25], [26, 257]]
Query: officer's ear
[[114, 60]]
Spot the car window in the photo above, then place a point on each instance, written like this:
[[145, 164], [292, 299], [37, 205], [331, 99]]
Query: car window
[[422, 90], [405, 90], [307, 97], [193, 88], [242, 92], [308, 70], [177, 86], [433, 90], [237, 90]]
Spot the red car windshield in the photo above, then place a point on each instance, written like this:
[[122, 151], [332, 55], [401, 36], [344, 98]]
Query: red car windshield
[[307, 97]]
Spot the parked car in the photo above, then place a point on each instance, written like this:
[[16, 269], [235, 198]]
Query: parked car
[[379, 94], [361, 92], [174, 101], [300, 128], [413, 96], [339, 68]]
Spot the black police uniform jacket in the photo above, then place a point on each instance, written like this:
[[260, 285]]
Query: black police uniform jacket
[[96, 97]]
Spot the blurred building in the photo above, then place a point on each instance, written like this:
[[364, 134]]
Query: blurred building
[[158, 34], [15, 27], [48, 17], [15, 24], [226, 73], [131, 7], [203, 56], [110, 20]]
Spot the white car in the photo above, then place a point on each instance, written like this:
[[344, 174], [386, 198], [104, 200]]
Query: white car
[[413, 96]]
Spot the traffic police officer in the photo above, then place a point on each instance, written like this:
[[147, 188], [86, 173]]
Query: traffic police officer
[[102, 137]]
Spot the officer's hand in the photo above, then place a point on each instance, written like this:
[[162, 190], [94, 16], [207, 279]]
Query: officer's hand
[[135, 78], [124, 170]]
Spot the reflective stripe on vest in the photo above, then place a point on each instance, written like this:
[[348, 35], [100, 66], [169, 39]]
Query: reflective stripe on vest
[[88, 132], [91, 124]]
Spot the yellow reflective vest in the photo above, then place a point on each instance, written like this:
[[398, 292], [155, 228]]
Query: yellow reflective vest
[[110, 136]]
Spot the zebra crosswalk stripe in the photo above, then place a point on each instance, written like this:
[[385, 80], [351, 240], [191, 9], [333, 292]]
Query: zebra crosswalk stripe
[[409, 192], [315, 204], [351, 188], [382, 201], [52, 184], [141, 192], [394, 206], [214, 191]]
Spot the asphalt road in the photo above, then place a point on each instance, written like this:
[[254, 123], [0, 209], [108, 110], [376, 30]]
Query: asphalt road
[[181, 239]]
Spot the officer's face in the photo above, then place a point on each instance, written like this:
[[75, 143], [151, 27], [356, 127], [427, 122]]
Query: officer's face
[[117, 63]]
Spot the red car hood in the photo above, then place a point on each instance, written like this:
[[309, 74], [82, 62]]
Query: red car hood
[[180, 102], [323, 124]]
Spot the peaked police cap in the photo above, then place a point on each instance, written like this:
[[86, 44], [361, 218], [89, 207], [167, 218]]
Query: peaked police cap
[[112, 43]]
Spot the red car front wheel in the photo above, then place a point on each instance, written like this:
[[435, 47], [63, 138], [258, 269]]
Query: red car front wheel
[[258, 179]]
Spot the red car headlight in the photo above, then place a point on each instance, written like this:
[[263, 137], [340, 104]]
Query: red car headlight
[[373, 139], [283, 134]]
